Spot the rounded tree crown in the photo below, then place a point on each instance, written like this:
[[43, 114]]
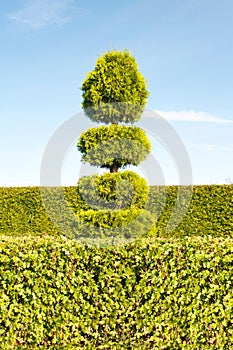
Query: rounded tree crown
[[115, 91], [121, 145]]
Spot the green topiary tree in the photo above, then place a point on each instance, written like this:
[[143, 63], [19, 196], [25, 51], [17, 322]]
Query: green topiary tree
[[114, 92]]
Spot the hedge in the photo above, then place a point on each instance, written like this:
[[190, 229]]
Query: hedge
[[150, 294], [23, 213], [210, 211]]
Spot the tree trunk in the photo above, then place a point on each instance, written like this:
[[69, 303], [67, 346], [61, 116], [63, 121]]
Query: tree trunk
[[114, 168]]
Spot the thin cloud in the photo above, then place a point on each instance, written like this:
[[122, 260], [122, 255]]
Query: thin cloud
[[192, 116], [214, 148], [40, 13]]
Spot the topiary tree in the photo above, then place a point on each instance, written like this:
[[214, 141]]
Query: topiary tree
[[114, 92]]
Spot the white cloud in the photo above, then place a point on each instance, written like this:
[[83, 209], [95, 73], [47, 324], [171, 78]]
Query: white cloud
[[214, 148], [191, 116], [40, 13]]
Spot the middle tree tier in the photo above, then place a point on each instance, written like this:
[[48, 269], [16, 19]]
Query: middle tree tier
[[114, 145]]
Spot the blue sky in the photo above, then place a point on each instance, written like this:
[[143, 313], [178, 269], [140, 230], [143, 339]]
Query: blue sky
[[184, 48]]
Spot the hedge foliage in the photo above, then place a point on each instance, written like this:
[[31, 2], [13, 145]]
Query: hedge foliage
[[115, 91], [210, 211], [23, 212], [105, 145], [150, 294]]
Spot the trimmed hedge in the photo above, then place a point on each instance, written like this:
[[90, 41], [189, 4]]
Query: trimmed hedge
[[210, 211], [23, 213], [160, 294]]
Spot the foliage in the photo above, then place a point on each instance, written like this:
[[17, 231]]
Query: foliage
[[114, 201], [209, 213], [114, 144], [23, 213], [115, 91], [120, 225], [121, 190], [151, 294]]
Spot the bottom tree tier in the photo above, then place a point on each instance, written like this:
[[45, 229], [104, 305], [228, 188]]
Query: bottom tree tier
[[124, 224]]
